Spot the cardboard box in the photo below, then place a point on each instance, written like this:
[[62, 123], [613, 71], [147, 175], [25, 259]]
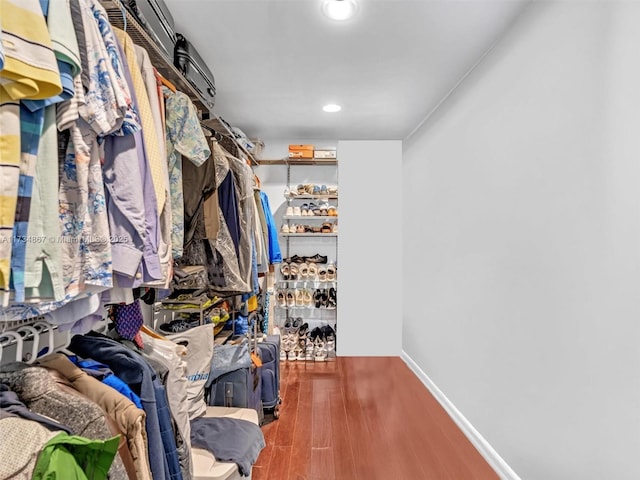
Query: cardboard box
[[300, 151], [324, 154]]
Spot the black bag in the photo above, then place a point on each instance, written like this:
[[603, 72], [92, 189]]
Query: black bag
[[193, 67], [156, 19]]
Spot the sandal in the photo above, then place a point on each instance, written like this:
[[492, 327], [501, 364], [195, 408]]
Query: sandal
[[326, 227], [293, 272], [322, 274], [284, 270], [307, 298], [291, 299], [312, 272], [331, 272], [280, 297], [303, 269], [300, 229], [299, 297]]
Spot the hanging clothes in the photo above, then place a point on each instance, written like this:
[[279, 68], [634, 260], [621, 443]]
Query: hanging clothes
[[23, 26], [184, 137]]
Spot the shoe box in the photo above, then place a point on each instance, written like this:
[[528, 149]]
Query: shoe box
[[300, 151]]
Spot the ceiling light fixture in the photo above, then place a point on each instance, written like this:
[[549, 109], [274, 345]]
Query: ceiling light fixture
[[332, 108], [339, 9]]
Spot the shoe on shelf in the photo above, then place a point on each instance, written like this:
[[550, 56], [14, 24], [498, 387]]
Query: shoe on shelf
[[322, 274], [319, 350], [303, 271], [285, 271], [312, 273], [291, 299], [285, 228], [307, 297], [289, 211], [331, 272], [332, 211], [317, 258], [294, 270], [297, 259], [281, 298], [324, 190], [332, 299], [297, 211], [334, 228], [299, 297], [329, 335]]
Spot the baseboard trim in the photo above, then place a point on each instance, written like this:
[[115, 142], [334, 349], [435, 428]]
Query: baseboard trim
[[490, 455]]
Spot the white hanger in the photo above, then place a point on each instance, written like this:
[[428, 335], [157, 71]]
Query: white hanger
[[32, 336], [41, 326], [18, 338]]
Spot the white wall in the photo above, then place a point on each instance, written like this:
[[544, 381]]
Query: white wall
[[369, 306], [521, 244]]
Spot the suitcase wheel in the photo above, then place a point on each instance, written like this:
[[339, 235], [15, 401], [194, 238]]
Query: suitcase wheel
[[276, 411]]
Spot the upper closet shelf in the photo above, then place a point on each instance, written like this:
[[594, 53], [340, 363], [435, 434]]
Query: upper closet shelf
[[119, 17], [300, 161]]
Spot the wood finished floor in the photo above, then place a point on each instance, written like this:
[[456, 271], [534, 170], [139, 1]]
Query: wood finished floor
[[363, 418]]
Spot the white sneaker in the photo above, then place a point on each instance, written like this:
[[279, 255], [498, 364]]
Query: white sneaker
[[289, 211], [297, 212], [319, 352]]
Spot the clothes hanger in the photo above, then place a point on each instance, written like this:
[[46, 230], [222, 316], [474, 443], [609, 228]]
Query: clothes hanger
[[167, 83], [43, 327], [32, 337], [18, 343]]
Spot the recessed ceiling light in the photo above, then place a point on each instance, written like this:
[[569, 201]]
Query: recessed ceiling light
[[339, 9], [332, 108]]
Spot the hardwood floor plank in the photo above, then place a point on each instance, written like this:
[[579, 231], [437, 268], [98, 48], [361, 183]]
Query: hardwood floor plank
[[321, 413], [322, 464], [367, 418], [281, 461], [344, 465], [301, 449], [288, 414]]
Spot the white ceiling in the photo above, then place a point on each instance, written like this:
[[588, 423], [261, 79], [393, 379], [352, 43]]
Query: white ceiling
[[277, 62]]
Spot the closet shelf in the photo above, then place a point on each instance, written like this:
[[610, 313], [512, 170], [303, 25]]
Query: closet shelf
[[119, 17], [311, 197], [300, 161], [309, 234], [310, 217]]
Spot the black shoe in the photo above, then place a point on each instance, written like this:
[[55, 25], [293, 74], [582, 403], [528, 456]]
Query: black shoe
[[315, 333], [317, 258], [297, 259], [332, 302], [317, 297]]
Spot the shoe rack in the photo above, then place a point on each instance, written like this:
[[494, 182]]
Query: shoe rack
[[306, 286]]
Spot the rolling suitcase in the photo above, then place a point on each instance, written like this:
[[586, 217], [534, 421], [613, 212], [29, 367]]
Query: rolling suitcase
[[234, 379], [194, 68], [156, 20], [270, 375]]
